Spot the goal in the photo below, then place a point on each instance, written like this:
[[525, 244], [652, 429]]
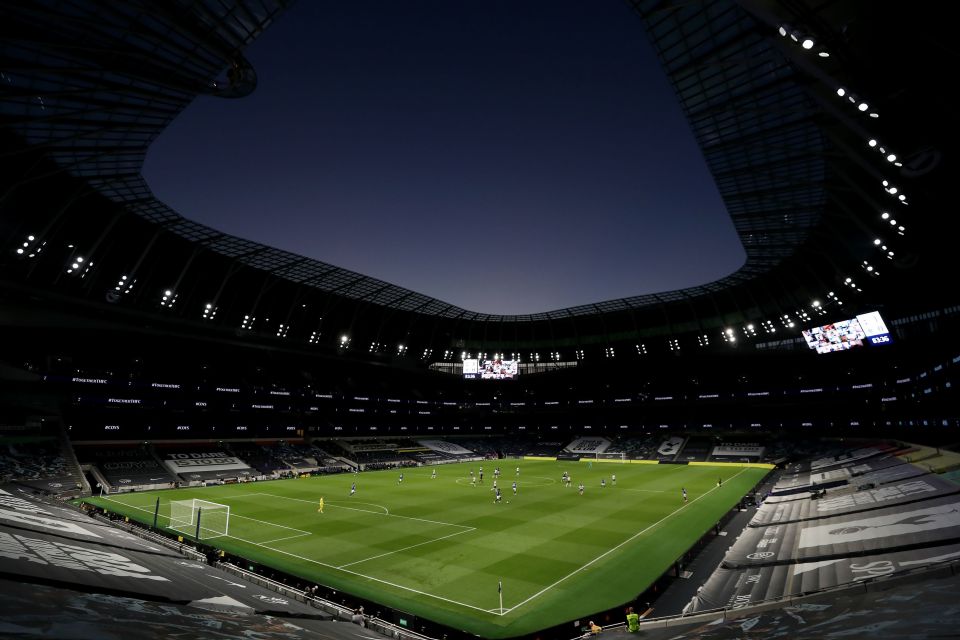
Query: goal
[[213, 517], [619, 457]]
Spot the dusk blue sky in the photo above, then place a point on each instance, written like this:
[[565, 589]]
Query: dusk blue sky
[[507, 157]]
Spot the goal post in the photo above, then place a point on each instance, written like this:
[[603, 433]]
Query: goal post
[[613, 457], [200, 518]]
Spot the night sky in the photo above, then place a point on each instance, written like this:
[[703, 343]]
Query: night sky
[[504, 156]]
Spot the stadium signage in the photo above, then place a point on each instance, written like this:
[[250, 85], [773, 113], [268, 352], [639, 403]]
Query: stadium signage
[[228, 390], [216, 458], [164, 385], [127, 465], [868, 385], [814, 390], [888, 399], [753, 394], [280, 393], [709, 395], [261, 406], [903, 380], [111, 427], [663, 397], [90, 380], [123, 401]]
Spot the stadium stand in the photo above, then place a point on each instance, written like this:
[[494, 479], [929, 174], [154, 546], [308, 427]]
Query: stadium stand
[[737, 451], [801, 543], [139, 325], [670, 447], [125, 466], [914, 606], [203, 462], [587, 446], [39, 462], [695, 449]]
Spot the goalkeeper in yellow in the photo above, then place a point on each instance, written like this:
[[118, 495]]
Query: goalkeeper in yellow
[[320, 506]]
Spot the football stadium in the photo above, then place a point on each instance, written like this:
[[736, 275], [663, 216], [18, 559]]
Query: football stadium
[[204, 434]]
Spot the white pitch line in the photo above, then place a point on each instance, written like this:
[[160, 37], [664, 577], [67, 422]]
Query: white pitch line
[[362, 575], [420, 544], [272, 524], [232, 515], [609, 551], [645, 490], [330, 566], [299, 535], [392, 515]]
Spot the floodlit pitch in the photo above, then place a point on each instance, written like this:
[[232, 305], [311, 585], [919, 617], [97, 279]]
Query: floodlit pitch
[[439, 548]]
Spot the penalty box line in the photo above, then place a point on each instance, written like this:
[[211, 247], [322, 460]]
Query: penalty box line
[[609, 551], [387, 513], [330, 566], [363, 575], [300, 533]]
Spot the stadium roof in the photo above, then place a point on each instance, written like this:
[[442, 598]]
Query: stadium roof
[[89, 85]]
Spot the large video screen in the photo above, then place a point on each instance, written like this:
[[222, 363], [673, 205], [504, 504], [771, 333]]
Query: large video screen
[[475, 369], [867, 328]]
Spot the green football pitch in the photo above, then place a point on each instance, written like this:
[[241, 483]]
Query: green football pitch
[[440, 548]]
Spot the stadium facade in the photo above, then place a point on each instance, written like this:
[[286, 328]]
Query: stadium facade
[[826, 127], [790, 156]]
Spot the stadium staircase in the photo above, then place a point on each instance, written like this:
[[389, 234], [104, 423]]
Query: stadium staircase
[[71, 457], [100, 478]]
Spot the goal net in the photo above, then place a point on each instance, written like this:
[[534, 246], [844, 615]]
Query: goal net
[[214, 518], [619, 457]]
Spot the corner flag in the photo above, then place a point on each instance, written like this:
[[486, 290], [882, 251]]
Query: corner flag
[[500, 591]]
